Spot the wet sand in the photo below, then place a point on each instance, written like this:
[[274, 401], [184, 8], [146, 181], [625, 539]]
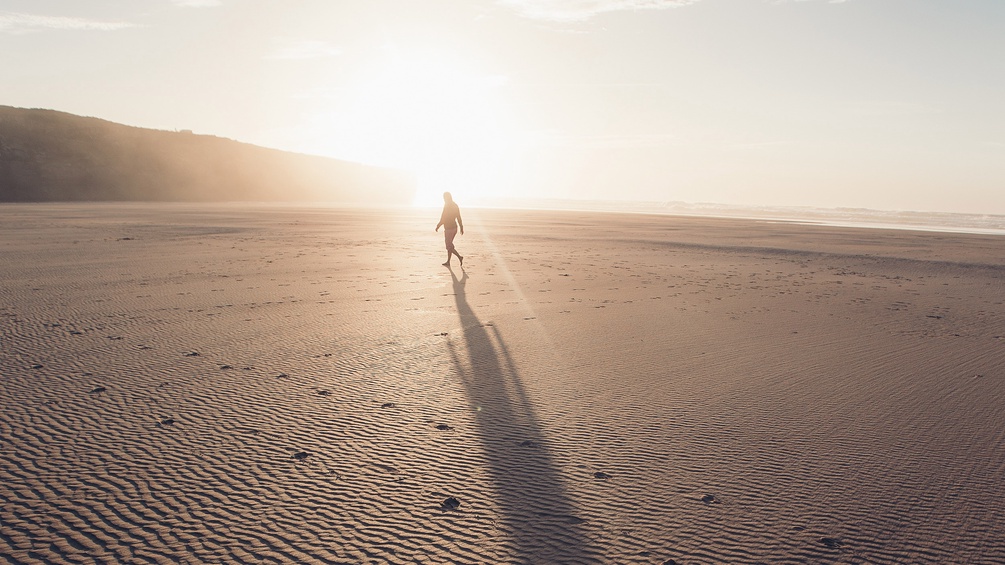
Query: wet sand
[[241, 383]]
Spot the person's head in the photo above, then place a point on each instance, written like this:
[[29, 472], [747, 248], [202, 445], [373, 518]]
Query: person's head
[[447, 197]]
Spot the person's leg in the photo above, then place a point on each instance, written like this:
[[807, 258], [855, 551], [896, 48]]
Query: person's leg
[[448, 239]]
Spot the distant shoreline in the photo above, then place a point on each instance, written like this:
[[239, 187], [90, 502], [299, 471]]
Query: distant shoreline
[[948, 222], [937, 222]]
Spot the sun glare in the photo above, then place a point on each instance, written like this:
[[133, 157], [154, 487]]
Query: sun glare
[[435, 117]]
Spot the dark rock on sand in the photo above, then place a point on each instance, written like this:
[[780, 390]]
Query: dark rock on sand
[[831, 543]]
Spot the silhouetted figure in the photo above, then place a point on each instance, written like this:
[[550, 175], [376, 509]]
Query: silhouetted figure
[[450, 219]]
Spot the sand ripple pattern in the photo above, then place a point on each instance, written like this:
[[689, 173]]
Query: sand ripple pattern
[[241, 384]]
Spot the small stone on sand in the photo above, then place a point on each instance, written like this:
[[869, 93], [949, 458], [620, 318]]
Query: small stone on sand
[[832, 543]]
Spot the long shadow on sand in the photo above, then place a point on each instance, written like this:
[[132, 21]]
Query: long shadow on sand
[[537, 521]]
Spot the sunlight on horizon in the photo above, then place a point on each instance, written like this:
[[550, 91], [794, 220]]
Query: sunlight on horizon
[[434, 116]]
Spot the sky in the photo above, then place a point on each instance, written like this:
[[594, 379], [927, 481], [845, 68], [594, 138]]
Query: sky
[[882, 104]]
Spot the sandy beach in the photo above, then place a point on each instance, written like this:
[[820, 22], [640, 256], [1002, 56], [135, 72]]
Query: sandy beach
[[262, 383]]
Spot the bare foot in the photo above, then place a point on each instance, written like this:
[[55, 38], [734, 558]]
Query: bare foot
[[447, 264], [462, 260]]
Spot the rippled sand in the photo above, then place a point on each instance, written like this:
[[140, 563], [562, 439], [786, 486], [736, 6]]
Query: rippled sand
[[196, 384]]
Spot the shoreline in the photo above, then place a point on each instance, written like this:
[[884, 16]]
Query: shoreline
[[864, 219]]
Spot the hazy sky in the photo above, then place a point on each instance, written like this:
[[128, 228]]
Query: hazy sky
[[888, 104]]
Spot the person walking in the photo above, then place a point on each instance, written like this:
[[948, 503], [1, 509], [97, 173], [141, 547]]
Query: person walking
[[450, 219]]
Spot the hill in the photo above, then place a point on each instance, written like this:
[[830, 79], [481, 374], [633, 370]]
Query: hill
[[47, 156]]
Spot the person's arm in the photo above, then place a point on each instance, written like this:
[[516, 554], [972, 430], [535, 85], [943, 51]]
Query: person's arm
[[460, 222], [442, 217]]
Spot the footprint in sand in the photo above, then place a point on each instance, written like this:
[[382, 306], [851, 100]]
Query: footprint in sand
[[450, 503], [36, 366], [96, 390], [300, 456], [387, 405], [601, 475], [710, 499], [444, 427], [165, 422], [528, 443], [324, 393], [192, 354]]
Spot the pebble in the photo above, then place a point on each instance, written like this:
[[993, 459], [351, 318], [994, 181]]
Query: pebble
[[832, 543]]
